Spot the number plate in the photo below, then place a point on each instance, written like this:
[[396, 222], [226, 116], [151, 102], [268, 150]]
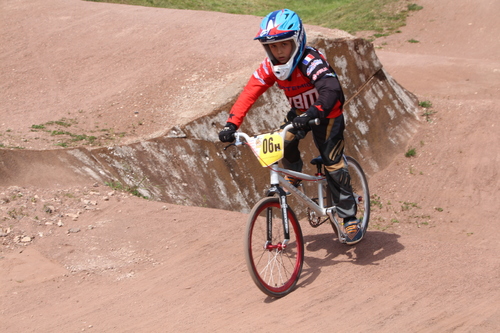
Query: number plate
[[268, 148]]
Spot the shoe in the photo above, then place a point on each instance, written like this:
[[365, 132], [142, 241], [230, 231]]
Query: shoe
[[352, 231], [294, 181]]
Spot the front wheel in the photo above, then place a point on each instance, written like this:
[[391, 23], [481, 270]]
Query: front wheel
[[274, 263]]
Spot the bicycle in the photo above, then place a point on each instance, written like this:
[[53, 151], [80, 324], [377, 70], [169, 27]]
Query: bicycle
[[274, 245]]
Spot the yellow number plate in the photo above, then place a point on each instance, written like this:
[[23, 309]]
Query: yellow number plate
[[268, 148]]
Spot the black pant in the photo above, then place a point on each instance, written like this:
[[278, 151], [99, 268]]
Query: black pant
[[329, 139]]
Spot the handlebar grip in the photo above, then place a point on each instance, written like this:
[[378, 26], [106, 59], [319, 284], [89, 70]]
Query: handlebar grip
[[314, 121]]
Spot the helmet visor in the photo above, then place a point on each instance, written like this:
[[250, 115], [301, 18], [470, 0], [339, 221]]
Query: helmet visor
[[270, 36]]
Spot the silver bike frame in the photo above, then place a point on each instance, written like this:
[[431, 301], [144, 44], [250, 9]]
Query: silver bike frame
[[319, 208], [277, 178]]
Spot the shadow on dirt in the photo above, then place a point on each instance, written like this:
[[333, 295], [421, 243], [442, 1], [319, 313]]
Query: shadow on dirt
[[375, 247]]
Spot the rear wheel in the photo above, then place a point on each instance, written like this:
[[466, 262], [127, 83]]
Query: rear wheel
[[360, 190], [361, 194], [274, 264]]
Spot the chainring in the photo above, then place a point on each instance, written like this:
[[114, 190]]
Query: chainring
[[315, 221]]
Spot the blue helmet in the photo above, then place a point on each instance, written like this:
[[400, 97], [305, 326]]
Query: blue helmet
[[282, 25]]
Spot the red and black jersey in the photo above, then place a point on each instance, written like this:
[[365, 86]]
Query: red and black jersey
[[313, 87]]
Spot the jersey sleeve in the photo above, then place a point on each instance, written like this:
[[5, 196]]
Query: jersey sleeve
[[331, 97], [261, 80]]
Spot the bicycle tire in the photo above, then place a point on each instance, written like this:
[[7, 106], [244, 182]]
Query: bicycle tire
[[274, 270], [360, 190]]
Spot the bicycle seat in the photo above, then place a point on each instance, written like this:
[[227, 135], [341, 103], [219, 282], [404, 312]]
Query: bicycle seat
[[317, 160]]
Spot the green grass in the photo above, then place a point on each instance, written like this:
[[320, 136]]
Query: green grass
[[414, 7], [382, 16], [116, 185], [425, 104], [411, 152], [405, 206], [69, 136], [375, 201]]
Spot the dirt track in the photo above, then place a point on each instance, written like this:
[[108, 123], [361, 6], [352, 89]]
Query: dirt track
[[430, 262]]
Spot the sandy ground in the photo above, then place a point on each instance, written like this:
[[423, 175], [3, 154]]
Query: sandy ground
[[88, 258]]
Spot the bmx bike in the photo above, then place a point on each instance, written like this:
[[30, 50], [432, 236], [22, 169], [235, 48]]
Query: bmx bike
[[274, 245]]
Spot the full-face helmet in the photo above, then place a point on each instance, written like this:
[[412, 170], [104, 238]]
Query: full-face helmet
[[282, 25]]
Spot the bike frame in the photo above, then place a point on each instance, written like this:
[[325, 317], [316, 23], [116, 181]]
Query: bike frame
[[318, 208], [278, 182]]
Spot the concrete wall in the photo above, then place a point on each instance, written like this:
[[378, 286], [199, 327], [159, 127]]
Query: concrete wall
[[190, 167]]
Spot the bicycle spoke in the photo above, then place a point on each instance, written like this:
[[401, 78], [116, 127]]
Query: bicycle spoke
[[277, 269]]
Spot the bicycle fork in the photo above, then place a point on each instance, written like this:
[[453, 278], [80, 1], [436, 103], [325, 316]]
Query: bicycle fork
[[284, 216], [286, 226]]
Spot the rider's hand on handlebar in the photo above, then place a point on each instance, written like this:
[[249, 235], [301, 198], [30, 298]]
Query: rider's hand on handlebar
[[301, 122], [227, 133]]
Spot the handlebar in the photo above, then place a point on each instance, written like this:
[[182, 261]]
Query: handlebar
[[312, 122], [239, 135]]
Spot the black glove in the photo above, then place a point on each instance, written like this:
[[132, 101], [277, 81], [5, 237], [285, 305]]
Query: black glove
[[227, 133], [300, 134], [301, 122]]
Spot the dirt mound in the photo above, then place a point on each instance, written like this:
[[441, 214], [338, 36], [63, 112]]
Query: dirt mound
[[88, 258]]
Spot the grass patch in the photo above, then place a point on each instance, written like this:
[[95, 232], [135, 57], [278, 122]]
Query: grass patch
[[411, 152], [59, 132], [16, 214], [414, 7], [406, 206], [375, 201], [116, 185], [349, 15], [11, 147], [60, 128], [425, 104], [63, 122]]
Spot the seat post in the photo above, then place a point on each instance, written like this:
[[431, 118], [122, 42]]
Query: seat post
[[319, 166]]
